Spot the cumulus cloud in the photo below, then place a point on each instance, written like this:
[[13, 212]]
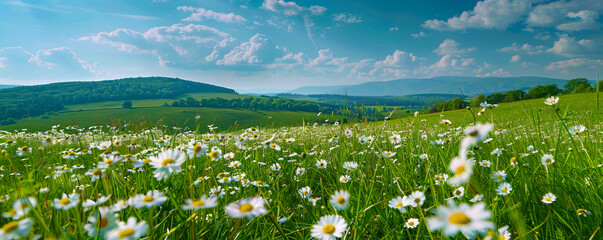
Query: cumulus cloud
[[327, 62], [291, 8], [515, 59], [398, 64], [574, 63], [487, 14], [259, 49], [569, 47], [523, 48], [346, 18], [200, 14], [176, 45], [394, 29], [586, 20], [451, 47]]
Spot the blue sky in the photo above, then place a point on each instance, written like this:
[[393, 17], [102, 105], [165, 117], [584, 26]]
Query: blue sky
[[247, 44]]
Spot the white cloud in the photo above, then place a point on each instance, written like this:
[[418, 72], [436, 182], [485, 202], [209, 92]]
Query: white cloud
[[326, 62], [574, 63], [346, 18], [515, 59], [393, 29], [398, 64], [555, 13], [291, 8], [200, 14], [523, 48], [496, 73], [418, 35], [569, 47], [177, 45], [451, 47], [542, 36], [257, 50], [2, 64], [487, 14], [586, 20], [289, 60]]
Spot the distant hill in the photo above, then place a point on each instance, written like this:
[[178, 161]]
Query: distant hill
[[8, 86], [440, 85], [26, 101]]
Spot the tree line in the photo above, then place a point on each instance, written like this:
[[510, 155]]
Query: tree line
[[576, 85], [28, 101]]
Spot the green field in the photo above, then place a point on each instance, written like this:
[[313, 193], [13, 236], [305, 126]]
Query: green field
[[532, 175]]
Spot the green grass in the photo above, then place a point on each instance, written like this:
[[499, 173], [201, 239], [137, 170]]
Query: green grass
[[575, 177]]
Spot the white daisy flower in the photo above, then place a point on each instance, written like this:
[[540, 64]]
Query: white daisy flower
[[329, 227], [203, 203], [412, 223], [247, 207], [128, 231], [549, 198], [67, 201], [340, 199], [470, 220]]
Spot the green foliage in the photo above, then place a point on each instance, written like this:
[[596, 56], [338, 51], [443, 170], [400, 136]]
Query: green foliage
[[572, 84], [127, 104], [36, 100]]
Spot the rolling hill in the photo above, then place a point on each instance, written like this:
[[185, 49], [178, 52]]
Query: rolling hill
[[440, 85], [8, 86]]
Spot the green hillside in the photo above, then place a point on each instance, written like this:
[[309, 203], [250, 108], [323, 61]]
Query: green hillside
[[29, 101]]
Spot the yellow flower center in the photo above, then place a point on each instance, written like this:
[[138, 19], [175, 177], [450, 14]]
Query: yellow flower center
[[417, 200], [213, 154], [12, 212], [459, 170], [48, 139], [473, 133], [457, 192], [197, 148], [548, 199], [341, 200], [273, 145], [513, 160], [328, 229], [502, 237], [160, 141], [11, 226], [71, 153], [499, 177], [304, 192], [548, 160], [411, 223], [65, 201], [198, 203], [103, 223], [126, 233], [106, 152], [24, 148], [225, 178], [459, 218], [108, 161], [399, 205], [505, 190], [146, 160], [167, 161], [321, 164], [245, 208], [148, 199]]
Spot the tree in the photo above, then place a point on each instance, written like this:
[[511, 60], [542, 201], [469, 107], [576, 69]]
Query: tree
[[127, 104], [572, 84]]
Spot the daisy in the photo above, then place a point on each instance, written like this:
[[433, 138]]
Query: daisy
[[16, 229], [313, 200], [229, 156], [395, 139], [583, 212], [128, 231], [350, 165], [445, 122], [215, 154], [459, 192], [547, 159], [412, 223], [504, 189], [167, 163], [96, 174], [548, 198], [485, 163], [503, 234], [551, 101], [110, 160], [477, 198], [340, 199], [475, 134], [399, 203], [101, 222], [23, 150], [388, 154], [416, 198], [67, 201], [151, 199], [344, 179], [300, 171], [499, 176], [467, 219], [203, 203], [234, 164], [247, 207], [305, 192], [513, 161], [196, 150], [462, 169], [329, 227], [321, 164], [21, 207], [275, 167], [577, 129]]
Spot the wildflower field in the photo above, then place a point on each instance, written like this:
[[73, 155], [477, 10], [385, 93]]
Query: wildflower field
[[524, 170]]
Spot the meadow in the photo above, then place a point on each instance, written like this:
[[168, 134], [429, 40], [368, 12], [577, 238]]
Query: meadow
[[523, 170]]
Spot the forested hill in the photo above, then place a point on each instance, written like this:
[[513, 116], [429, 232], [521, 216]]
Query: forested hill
[[26, 101]]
